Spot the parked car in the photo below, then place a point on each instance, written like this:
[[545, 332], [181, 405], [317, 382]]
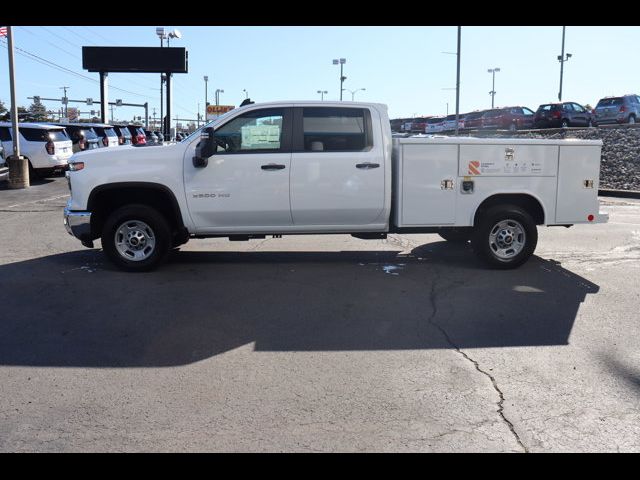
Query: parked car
[[473, 119], [107, 134], [160, 136], [566, 114], [434, 125], [623, 109], [152, 138], [46, 146], [508, 118], [138, 137], [4, 169], [83, 136], [123, 133]]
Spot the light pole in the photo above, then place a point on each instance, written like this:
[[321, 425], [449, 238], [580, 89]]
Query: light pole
[[562, 58], [353, 92], [246, 94], [457, 89], [341, 62], [206, 96], [218, 92], [162, 35], [493, 84], [322, 94]]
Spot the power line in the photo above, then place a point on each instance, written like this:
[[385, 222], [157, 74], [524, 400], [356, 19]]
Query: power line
[[49, 63]]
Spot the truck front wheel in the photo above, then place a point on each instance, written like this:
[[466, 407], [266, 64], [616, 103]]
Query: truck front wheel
[[505, 236], [136, 238]]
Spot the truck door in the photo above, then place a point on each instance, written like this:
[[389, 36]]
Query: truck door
[[338, 169], [246, 182]]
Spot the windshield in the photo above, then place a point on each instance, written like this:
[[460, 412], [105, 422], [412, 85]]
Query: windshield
[[607, 102]]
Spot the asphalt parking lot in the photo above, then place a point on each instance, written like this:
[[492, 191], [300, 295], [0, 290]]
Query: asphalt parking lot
[[318, 343]]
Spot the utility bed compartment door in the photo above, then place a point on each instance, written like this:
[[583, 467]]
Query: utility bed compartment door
[[429, 177], [578, 181]]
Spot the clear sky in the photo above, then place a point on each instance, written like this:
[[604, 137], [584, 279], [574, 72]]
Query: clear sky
[[403, 67]]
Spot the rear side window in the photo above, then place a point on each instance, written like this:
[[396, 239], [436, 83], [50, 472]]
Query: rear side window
[[548, 108], [5, 135], [608, 102], [43, 135], [336, 129]]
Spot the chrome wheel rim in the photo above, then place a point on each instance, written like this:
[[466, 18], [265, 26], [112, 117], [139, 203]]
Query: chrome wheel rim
[[507, 239], [135, 240]]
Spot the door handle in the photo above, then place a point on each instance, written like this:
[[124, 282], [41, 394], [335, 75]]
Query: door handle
[[367, 165], [272, 166]]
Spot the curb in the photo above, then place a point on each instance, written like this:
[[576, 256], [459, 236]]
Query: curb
[[605, 192]]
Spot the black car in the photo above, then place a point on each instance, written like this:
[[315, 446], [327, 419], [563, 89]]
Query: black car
[[123, 133], [82, 136], [566, 114]]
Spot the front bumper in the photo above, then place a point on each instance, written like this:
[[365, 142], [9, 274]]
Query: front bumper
[[77, 223], [4, 173]]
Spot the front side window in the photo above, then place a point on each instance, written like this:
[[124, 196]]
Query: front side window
[[578, 108], [259, 130], [5, 135], [336, 129]]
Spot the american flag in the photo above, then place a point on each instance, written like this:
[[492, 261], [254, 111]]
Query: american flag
[[3, 31]]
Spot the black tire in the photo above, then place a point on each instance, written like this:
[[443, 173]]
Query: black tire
[[489, 221], [456, 235], [33, 173], [159, 232]]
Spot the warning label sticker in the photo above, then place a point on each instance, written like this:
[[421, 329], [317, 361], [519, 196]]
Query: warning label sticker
[[474, 167]]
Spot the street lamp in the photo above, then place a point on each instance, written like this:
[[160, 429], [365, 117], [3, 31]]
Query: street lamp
[[353, 92], [173, 34], [218, 92], [322, 94], [246, 94], [562, 58], [341, 62], [206, 96], [493, 84]]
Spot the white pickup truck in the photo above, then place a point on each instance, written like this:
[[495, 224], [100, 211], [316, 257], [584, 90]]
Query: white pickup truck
[[326, 168]]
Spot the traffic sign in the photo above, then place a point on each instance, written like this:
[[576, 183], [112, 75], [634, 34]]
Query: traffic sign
[[118, 102], [89, 101]]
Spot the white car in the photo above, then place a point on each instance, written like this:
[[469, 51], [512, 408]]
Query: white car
[[107, 134], [47, 147]]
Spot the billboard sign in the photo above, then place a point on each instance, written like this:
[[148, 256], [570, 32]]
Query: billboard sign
[[214, 111]]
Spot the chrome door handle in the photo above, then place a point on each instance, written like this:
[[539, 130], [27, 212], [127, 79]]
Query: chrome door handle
[[272, 166], [367, 165]]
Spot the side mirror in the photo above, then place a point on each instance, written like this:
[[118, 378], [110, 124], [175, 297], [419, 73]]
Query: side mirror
[[205, 148]]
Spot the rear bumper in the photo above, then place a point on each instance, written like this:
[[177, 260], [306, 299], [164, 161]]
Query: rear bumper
[[77, 223]]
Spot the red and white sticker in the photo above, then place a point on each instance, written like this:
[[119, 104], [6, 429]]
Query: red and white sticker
[[474, 167]]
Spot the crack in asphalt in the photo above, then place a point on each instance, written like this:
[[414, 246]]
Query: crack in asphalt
[[434, 312]]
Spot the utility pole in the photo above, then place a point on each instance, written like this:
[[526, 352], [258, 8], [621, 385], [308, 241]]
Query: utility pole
[[493, 84], [18, 165], [66, 111], [562, 59], [341, 62], [458, 83]]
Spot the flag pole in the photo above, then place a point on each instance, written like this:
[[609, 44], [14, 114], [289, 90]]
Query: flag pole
[[18, 165]]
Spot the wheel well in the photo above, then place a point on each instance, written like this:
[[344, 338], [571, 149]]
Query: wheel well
[[528, 203], [105, 199]]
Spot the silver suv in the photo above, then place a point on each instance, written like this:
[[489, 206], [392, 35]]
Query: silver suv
[[623, 109]]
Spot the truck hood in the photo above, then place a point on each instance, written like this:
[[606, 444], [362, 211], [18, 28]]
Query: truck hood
[[126, 154]]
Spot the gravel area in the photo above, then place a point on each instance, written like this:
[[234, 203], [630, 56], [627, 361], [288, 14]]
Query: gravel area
[[620, 167]]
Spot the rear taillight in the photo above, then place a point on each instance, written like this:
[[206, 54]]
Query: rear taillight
[[105, 141], [51, 148], [557, 114], [121, 140], [82, 144], [623, 109]]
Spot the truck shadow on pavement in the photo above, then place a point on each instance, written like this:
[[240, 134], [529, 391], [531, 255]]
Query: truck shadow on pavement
[[75, 310]]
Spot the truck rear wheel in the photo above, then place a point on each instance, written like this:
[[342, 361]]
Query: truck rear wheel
[[505, 237], [136, 238]]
